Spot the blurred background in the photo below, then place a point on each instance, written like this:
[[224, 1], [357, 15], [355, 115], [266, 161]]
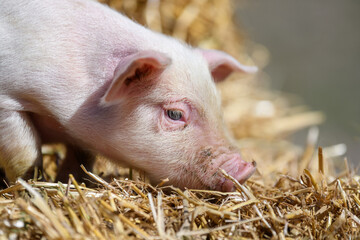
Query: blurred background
[[314, 52]]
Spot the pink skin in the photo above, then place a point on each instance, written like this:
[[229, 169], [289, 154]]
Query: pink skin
[[77, 72], [237, 168], [168, 124], [229, 161], [197, 170]]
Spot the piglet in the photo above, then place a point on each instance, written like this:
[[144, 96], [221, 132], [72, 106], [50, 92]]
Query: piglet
[[78, 72]]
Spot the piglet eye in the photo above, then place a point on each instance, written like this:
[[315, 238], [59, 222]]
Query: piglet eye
[[174, 114]]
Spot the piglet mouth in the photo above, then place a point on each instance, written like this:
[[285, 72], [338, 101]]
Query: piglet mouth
[[239, 170]]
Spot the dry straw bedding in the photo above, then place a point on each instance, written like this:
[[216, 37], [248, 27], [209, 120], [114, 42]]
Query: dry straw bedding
[[294, 193], [304, 207]]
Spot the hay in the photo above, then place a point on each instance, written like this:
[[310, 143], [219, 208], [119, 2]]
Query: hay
[[308, 206], [294, 194]]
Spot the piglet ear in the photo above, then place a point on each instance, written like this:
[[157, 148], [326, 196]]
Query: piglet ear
[[221, 65], [143, 65]]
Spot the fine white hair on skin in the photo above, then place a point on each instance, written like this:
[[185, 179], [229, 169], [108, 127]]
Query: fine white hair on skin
[[78, 72]]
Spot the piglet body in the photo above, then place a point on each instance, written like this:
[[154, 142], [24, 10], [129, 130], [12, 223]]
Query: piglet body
[[77, 72]]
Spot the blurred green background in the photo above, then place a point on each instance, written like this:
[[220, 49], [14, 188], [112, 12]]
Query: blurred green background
[[315, 53]]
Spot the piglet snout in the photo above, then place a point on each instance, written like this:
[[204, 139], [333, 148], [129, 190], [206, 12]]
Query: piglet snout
[[238, 169]]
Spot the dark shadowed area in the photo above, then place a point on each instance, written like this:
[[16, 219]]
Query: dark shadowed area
[[315, 53]]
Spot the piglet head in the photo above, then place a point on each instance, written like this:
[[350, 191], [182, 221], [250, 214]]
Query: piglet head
[[166, 118]]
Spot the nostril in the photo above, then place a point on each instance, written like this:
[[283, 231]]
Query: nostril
[[239, 170], [247, 172], [227, 186], [234, 166]]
